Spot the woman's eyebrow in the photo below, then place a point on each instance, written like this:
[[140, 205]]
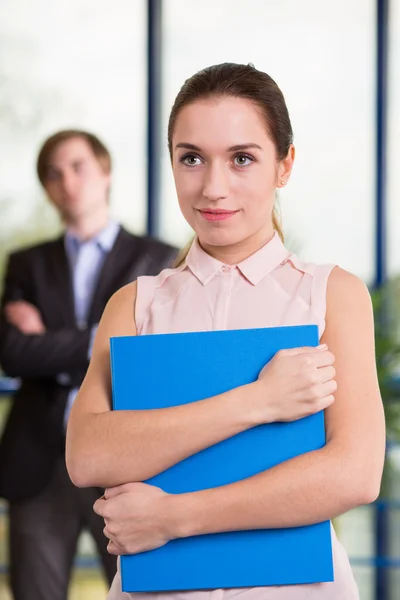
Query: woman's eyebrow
[[236, 148], [244, 147], [187, 146]]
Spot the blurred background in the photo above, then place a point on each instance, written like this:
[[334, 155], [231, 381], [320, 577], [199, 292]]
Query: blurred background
[[115, 68]]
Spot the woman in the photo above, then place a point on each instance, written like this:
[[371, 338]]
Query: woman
[[230, 141]]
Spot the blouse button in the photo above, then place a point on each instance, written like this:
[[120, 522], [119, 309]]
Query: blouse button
[[225, 268]]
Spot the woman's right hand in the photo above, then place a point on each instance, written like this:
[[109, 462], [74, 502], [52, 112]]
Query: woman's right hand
[[294, 384]]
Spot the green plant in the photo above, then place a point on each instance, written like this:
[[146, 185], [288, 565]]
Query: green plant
[[387, 329]]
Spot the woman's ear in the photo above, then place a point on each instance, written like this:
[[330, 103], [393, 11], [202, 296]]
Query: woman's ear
[[285, 167]]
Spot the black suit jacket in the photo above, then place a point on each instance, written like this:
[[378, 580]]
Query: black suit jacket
[[34, 433]]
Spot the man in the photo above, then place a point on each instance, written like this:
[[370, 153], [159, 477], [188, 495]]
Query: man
[[54, 296]]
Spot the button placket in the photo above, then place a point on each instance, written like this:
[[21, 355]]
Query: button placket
[[222, 300]]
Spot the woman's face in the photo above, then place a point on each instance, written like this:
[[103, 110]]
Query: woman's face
[[226, 173]]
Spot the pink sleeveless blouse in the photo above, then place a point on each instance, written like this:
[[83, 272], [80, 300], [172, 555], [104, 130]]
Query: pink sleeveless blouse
[[271, 288]]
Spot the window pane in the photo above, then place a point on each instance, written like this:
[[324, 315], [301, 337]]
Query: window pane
[[70, 64], [393, 170], [322, 56]]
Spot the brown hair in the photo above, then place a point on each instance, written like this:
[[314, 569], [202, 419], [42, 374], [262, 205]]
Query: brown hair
[[239, 81], [48, 147]]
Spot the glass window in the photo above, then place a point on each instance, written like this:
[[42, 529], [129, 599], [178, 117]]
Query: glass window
[[68, 64], [322, 55], [74, 64], [393, 167]]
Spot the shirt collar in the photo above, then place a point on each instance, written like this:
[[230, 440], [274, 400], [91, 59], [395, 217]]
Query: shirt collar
[[254, 268], [105, 238]]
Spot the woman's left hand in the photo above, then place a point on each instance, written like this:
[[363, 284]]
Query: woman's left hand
[[137, 518]]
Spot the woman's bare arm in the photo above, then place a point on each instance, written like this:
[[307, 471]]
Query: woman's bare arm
[[106, 448], [322, 484]]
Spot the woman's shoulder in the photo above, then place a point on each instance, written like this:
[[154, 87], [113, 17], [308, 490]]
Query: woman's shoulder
[[125, 294], [339, 281], [347, 293], [118, 315], [343, 283], [121, 302], [128, 293], [311, 268], [148, 284]]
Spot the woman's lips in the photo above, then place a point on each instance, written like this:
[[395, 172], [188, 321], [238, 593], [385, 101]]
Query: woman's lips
[[217, 215]]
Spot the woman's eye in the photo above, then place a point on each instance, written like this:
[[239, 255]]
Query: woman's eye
[[242, 160], [191, 160]]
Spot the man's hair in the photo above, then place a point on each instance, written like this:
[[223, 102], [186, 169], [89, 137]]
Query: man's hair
[[47, 150]]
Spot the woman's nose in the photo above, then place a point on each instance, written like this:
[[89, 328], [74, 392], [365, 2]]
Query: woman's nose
[[216, 183]]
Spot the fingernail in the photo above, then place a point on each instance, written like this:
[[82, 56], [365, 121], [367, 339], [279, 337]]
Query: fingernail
[[322, 347]]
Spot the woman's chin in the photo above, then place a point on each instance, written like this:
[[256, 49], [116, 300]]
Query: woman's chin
[[219, 238]]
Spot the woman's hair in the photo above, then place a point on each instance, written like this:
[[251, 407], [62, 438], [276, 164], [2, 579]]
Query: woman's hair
[[239, 81], [50, 145]]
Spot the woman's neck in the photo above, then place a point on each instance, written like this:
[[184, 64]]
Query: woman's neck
[[237, 253]]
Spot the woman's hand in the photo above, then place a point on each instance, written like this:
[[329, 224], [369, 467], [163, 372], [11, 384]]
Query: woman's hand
[[295, 383], [137, 518]]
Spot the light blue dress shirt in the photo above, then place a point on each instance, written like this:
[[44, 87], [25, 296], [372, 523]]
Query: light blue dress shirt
[[86, 260]]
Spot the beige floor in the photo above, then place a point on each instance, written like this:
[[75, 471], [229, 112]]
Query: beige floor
[[88, 586], [85, 585]]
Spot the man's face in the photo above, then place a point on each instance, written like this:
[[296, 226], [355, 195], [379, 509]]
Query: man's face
[[76, 182]]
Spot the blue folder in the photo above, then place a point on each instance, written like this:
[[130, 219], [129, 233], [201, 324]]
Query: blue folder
[[159, 371]]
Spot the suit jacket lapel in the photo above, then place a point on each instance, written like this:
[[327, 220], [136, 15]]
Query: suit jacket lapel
[[115, 265], [61, 281]]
